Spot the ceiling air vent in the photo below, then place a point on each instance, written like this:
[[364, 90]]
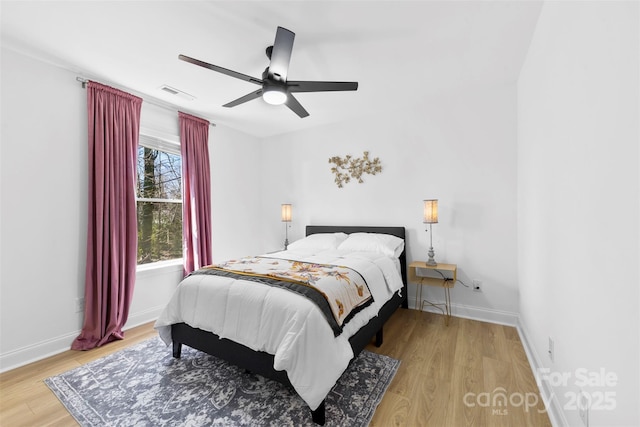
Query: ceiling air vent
[[176, 92]]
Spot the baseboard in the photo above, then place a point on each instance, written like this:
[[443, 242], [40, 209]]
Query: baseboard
[[37, 351], [140, 318], [47, 348], [554, 409], [474, 313]]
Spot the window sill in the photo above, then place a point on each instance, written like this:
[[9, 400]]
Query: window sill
[[160, 267]]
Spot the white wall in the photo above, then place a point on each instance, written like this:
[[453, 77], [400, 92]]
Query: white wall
[[44, 200], [459, 148], [578, 204], [236, 187]]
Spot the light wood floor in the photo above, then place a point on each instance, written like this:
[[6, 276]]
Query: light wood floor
[[449, 375], [444, 371]]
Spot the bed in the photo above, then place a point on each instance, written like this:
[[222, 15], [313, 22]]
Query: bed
[[282, 355]]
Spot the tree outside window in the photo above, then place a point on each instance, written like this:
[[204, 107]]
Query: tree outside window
[[159, 192]]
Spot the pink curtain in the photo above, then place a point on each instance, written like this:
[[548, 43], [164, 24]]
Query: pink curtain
[[112, 241], [196, 192]]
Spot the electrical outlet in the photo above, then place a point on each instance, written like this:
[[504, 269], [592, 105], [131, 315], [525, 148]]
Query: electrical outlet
[[584, 402], [79, 305], [477, 286], [551, 349]]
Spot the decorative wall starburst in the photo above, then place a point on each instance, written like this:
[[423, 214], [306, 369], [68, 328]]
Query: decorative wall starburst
[[353, 167]]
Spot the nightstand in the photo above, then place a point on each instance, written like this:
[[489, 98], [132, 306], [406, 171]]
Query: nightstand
[[444, 276]]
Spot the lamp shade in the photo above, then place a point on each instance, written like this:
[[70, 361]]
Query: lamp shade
[[431, 211], [286, 213]]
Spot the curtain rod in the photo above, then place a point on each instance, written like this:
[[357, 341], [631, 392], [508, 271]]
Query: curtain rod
[[156, 103], [83, 81]]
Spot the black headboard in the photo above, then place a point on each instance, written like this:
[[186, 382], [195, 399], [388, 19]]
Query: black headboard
[[394, 231]]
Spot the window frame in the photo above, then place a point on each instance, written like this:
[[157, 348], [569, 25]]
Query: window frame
[[172, 147]]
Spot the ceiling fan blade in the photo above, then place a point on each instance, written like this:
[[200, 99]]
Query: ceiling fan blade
[[220, 69], [295, 106], [281, 55], [306, 86], [242, 100]]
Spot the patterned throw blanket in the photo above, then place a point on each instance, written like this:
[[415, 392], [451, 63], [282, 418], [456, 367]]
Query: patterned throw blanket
[[340, 292]]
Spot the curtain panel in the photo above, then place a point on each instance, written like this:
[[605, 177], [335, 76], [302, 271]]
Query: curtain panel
[[196, 192], [112, 240]]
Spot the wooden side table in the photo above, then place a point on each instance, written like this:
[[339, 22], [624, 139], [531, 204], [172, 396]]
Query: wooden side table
[[444, 275]]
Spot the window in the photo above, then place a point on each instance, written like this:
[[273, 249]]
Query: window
[[159, 201]]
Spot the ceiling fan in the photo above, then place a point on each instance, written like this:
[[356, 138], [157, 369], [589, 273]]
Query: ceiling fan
[[274, 87]]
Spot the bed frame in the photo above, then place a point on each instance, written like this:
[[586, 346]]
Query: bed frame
[[262, 363]]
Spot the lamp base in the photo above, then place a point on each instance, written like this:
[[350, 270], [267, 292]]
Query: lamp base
[[286, 235], [431, 261]]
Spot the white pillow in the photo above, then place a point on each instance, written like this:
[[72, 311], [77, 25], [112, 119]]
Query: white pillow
[[385, 244], [319, 241]]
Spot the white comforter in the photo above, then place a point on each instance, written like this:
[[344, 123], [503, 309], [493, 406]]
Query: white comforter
[[280, 322]]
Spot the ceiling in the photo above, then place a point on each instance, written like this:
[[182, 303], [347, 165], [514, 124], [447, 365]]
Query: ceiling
[[399, 52]]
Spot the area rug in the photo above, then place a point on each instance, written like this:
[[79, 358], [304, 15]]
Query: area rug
[[144, 385]]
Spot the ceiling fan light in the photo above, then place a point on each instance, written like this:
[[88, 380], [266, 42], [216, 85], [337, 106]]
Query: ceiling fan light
[[274, 95]]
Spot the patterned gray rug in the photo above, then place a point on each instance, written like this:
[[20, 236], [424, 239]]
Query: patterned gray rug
[[145, 386]]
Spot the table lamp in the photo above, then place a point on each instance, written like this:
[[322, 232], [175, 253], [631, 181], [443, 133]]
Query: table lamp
[[285, 214], [431, 217]]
